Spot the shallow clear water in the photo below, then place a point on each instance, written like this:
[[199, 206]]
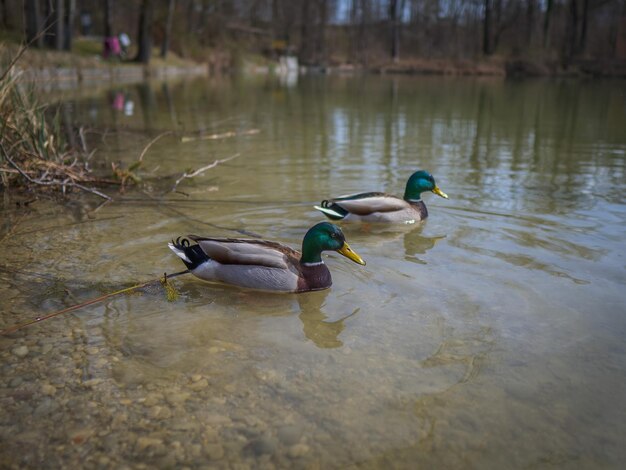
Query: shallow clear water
[[489, 336]]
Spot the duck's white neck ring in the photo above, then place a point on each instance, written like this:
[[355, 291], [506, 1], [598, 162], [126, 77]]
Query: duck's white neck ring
[[313, 264]]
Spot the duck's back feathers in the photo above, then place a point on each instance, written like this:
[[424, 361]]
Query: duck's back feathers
[[247, 252]]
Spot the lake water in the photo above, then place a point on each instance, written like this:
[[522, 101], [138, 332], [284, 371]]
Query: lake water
[[490, 336]]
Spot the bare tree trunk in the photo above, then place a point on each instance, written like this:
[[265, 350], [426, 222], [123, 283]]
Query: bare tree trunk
[[168, 29], [546, 23], [305, 36], [59, 25], [108, 28], [582, 42], [5, 14], [487, 28], [571, 36], [69, 24], [32, 16], [276, 21], [362, 39], [498, 28], [395, 31], [144, 40], [530, 21], [49, 23], [618, 31], [321, 39], [354, 45], [190, 13]]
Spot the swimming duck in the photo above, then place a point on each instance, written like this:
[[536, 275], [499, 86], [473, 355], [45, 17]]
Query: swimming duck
[[263, 264], [382, 207]]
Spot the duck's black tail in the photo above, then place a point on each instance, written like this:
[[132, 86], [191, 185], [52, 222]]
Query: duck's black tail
[[192, 255], [332, 210]]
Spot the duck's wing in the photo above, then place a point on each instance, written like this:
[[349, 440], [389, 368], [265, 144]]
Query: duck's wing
[[248, 252], [368, 203]]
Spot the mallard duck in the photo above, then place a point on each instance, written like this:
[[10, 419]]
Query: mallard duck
[[382, 207], [263, 264]]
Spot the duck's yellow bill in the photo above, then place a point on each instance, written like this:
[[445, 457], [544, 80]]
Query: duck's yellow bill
[[346, 251], [439, 192]]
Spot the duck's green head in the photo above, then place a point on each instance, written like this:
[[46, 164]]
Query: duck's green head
[[419, 182], [323, 237]]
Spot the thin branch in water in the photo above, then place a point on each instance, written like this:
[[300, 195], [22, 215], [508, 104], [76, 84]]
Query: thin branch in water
[[170, 291], [93, 191], [199, 171], [152, 142], [223, 135]]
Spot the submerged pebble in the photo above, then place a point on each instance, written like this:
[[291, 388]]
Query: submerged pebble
[[20, 351], [48, 389], [177, 397], [289, 434], [150, 443], [15, 382], [262, 445], [46, 406], [199, 385], [214, 451], [298, 450]]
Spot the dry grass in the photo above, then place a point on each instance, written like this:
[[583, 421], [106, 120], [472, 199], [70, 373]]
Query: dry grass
[[34, 151]]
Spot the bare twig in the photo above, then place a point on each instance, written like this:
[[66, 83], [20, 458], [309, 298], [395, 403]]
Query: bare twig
[[93, 191], [152, 142], [199, 171], [25, 47], [223, 135], [81, 134], [67, 182]]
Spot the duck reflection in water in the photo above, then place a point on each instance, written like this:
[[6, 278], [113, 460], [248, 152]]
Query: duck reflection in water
[[325, 334], [414, 242], [313, 308]]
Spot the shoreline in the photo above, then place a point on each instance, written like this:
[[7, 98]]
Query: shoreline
[[71, 76], [64, 78]]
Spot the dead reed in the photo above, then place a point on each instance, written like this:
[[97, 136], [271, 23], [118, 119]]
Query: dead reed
[[34, 151]]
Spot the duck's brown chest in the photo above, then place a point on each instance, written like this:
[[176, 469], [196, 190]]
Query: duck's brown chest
[[314, 277]]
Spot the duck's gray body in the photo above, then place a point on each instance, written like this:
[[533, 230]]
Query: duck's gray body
[[375, 208], [258, 277], [383, 207]]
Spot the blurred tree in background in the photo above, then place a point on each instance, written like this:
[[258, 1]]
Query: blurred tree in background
[[322, 32]]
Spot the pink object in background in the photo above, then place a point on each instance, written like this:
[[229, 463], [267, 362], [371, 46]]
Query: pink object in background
[[118, 101], [111, 47]]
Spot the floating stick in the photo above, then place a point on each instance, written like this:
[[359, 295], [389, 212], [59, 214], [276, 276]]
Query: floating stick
[[169, 290]]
